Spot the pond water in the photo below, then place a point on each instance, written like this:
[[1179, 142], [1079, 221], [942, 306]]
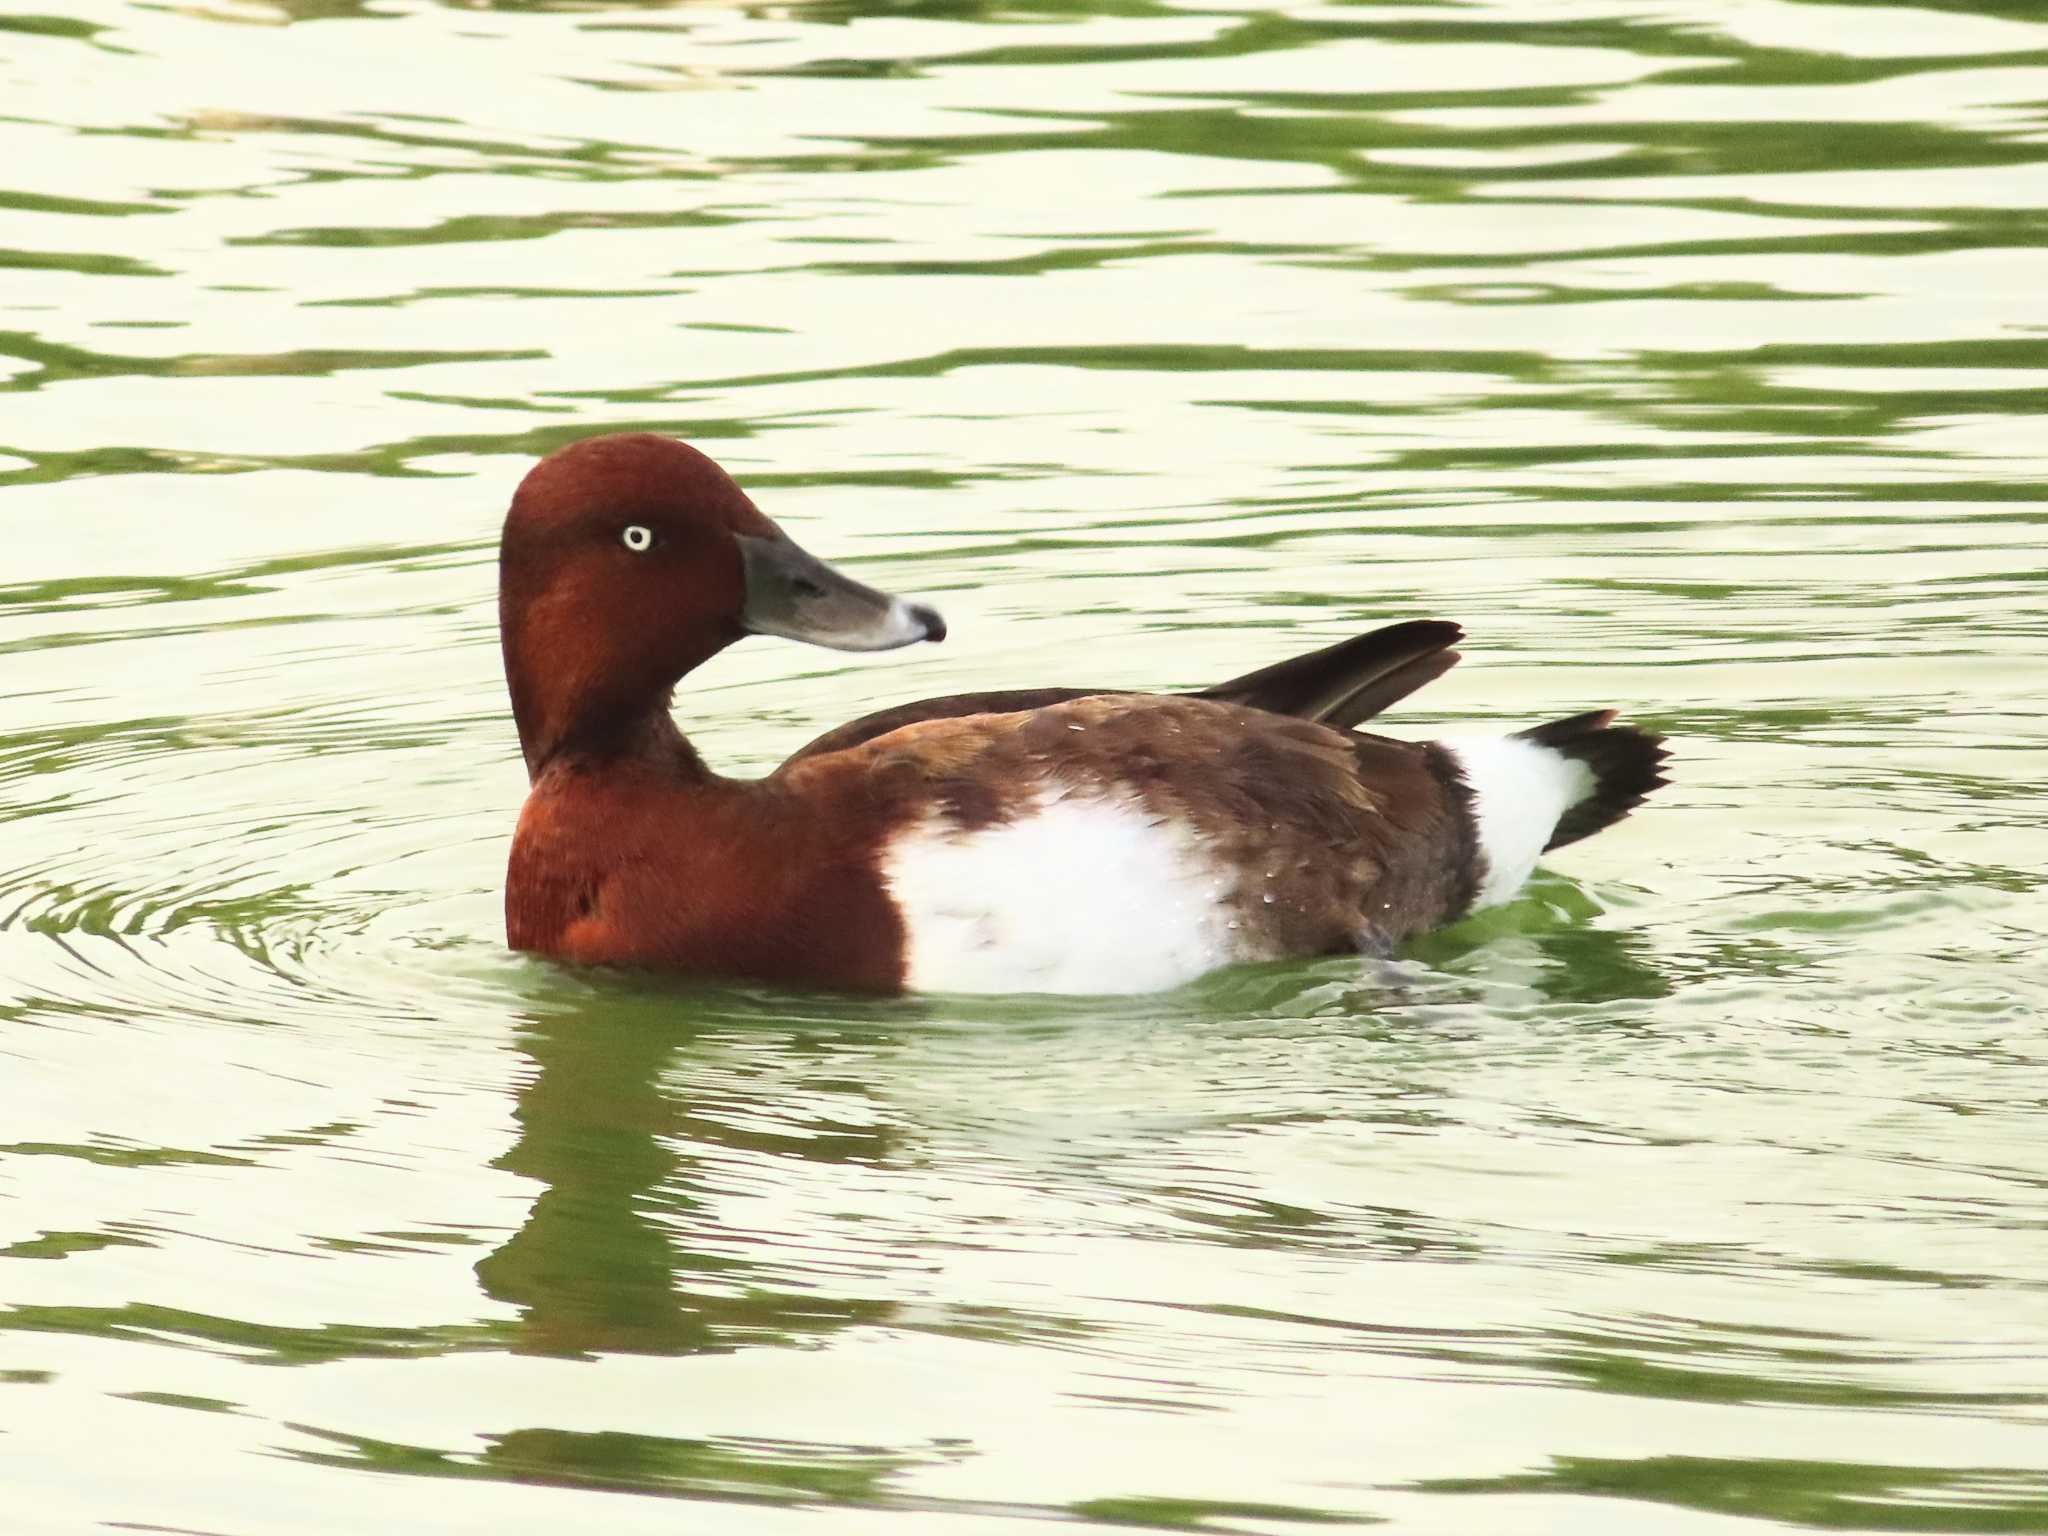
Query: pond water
[[1691, 352]]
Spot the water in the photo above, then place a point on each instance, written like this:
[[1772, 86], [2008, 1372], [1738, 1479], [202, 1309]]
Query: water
[[1691, 353]]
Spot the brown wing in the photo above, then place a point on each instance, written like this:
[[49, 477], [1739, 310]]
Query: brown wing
[[1321, 839], [1340, 685]]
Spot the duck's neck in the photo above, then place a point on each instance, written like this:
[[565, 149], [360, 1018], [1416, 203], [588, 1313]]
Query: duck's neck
[[591, 713], [595, 696], [649, 740], [647, 736]]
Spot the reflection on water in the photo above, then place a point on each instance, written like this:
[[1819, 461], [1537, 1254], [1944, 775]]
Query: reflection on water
[[617, 1253], [1690, 354]]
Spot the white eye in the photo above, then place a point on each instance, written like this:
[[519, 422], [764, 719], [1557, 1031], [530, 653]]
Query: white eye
[[638, 538]]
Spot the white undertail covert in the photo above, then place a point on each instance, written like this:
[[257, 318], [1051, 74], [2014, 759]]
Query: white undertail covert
[[1520, 791]]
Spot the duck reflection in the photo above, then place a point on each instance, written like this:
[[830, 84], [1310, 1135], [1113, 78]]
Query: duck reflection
[[658, 1118], [636, 1103]]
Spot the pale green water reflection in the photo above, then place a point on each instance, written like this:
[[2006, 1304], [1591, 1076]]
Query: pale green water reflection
[[1691, 354]]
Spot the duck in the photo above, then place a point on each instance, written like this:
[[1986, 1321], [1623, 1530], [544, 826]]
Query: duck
[[1066, 840]]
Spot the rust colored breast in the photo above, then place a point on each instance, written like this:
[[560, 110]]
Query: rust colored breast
[[715, 877]]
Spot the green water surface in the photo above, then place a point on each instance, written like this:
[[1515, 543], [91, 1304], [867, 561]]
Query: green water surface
[[1692, 353]]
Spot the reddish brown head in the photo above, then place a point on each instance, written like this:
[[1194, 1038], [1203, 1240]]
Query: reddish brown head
[[628, 560]]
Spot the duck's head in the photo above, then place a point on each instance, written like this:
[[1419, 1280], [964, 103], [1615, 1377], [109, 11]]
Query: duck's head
[[627, 560]]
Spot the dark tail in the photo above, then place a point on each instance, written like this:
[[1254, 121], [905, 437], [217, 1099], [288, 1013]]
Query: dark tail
[[1627, 764], [1354, 679]]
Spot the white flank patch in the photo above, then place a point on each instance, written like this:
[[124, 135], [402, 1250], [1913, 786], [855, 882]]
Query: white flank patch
[[1080, 894], [1519, 792]]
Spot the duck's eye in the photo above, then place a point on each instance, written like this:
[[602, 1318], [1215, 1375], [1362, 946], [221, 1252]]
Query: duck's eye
[[638, 537]]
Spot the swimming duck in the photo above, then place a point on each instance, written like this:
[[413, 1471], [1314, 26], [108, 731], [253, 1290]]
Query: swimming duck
[[1076, 840]]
